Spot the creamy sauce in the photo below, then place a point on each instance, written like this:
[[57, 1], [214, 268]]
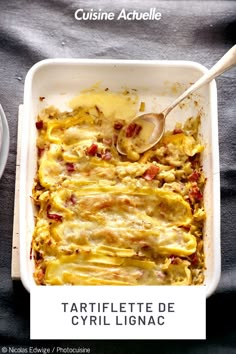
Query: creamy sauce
[[112, 105], [133, 145]]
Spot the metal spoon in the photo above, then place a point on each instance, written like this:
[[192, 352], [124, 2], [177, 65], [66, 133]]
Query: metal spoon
[[146, 130]]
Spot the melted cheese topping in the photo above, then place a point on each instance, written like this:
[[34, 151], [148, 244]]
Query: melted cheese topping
[[102, 219]]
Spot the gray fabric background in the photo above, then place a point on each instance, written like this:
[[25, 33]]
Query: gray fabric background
[[193, 30]]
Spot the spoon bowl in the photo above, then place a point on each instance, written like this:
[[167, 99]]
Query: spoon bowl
[[143, 132]]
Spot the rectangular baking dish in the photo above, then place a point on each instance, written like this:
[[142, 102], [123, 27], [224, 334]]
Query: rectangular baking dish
[[157, 83]]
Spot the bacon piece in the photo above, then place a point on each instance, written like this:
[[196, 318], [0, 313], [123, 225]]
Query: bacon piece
[[194, 176], [195, 193], [194, 161], [40, 275], [106, 155], [70, 167], [177, 131], [185, 227], [194, 258], [91, 150], [40, 152], [133, 130], [118, 125], [173, 259], [151, 172], [39, 124], [144, 246], [73, 199], [37, 256], [55, 217], [38, 186]]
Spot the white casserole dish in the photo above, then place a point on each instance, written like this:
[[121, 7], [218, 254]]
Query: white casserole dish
[[158, 83]]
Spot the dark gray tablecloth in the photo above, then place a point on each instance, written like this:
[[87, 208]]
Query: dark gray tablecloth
[[193, 30]]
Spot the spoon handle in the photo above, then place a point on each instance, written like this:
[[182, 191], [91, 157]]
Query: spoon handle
[[225, 63]]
